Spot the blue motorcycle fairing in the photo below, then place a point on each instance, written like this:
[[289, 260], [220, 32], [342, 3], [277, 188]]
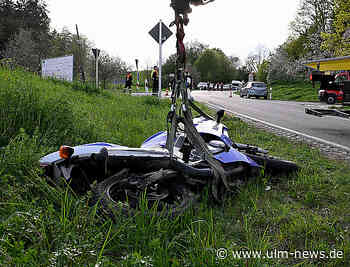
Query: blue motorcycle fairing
[[233, 155], [81, 150], [226, 140], [156, 140]]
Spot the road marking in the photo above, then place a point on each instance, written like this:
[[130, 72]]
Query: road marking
[[215, 106]]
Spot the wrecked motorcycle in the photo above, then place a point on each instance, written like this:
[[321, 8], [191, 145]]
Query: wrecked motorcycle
[[170, 183], [171, 169]]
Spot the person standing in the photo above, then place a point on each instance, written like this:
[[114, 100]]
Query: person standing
[[128, 81], [146, 85], [188, 80], [154, 76]]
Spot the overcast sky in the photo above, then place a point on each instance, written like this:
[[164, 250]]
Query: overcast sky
[[121, 27]]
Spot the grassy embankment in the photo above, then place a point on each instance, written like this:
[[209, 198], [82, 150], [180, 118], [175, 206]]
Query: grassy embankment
[[44, 226], [295, 91]]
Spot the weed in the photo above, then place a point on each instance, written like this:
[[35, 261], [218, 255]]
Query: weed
[[41, 225]]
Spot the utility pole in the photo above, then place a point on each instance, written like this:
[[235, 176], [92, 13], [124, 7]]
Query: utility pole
[[80, 63]]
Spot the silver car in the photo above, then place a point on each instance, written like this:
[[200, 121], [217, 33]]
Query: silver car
[[202, 86], [257, 89]]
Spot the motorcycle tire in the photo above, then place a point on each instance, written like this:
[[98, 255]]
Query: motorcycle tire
[[113, 198], [273, 165]]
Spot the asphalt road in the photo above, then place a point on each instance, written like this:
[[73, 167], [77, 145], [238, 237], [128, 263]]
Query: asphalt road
[[287, 114]]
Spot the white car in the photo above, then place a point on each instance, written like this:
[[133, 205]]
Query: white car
[[236, 85], [227, 87], [202, 86]]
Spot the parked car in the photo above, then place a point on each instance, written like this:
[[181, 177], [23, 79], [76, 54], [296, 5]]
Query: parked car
[[257, 89], [227, 87], [236, 85], [202, 86]]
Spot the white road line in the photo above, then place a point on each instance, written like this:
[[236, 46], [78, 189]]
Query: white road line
[[215, 106]]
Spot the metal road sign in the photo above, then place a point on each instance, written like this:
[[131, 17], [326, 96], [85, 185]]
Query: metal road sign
[[96, 52], [166, 32]]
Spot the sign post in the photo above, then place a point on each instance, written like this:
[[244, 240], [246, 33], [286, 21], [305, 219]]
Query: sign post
[[160, 34], [96, 54], [160, 60]]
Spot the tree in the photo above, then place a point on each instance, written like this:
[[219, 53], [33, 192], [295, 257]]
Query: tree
[[294, 47], [170, 65], [196, 76], [281, 68], [257, 58], [263, 71], [30, 15], [110, 68], [235, 61], [8, 22], [338, 42], [313, 18], [241, 74], [23, 50], [67, 43], [215, 66], [194, 50]]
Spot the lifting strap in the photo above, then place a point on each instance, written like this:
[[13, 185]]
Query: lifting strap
[[183, 114]]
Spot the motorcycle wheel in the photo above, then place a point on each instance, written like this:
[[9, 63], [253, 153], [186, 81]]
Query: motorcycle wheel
[[120, 193], [273, 165]]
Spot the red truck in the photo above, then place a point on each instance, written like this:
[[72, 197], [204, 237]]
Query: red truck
[[333, 88]]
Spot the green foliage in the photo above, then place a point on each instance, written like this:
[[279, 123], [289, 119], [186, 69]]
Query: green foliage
[[41, 225], [169, 65], [25, 103], [66, 116], [25, 14], [338, 40], [23, 50], [194, 51], [263, 70], [26, 39], [214, 66], [312, 19], [295, 47], [110, 67]]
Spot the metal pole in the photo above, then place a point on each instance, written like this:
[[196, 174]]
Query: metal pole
[[80, 63], [137, 73], [96, 71], [160, 60]]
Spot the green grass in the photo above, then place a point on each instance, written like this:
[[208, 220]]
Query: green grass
[[44, 226], [295, 91]]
